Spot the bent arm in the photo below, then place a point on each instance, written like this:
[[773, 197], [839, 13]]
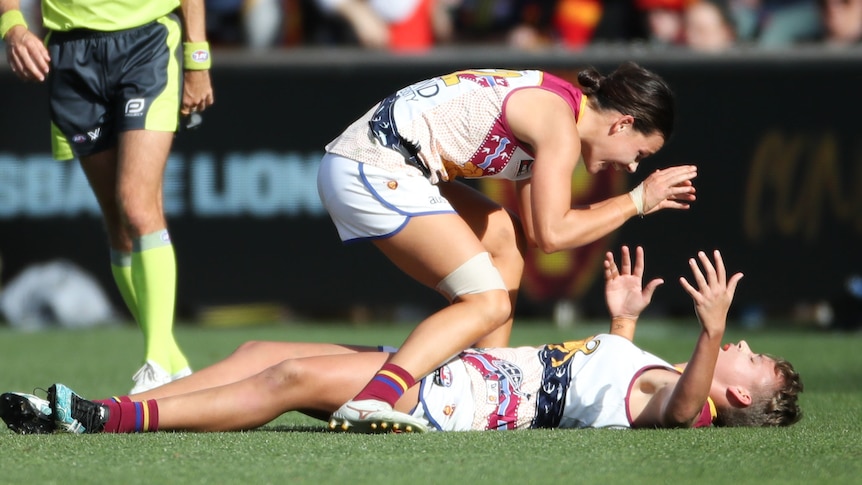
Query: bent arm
[[545, 122], [197, 85]]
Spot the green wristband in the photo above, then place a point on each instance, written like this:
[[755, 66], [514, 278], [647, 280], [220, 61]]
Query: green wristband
[[11, 19], [196, 56]]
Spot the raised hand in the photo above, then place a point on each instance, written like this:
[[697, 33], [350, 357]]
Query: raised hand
[[625, 295], [714, 291], [671, 188]]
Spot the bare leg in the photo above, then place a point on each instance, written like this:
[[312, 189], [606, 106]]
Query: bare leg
[[101, 172], [500, 232], [428, 249], [247, 360], [314, 385], [142, 157]]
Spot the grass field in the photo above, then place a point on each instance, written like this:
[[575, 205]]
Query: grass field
[[826, 447]]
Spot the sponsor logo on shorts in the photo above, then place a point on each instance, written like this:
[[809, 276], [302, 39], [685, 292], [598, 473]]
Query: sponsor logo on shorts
[[392, 184], [165, 236], [448, 410], [443, 377], [525, 167], [436, 200], [95, 134], [79, 138], [135, 107], [200, 56]]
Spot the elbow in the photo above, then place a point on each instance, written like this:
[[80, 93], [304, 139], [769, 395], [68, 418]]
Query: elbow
[[548, 245], [680, 418]]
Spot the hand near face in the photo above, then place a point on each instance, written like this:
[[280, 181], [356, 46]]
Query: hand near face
[[670, 188]]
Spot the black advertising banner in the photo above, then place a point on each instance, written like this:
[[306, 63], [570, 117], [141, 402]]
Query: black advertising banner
[[775, 139]]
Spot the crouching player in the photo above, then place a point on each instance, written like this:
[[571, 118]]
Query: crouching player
[[600, 381]]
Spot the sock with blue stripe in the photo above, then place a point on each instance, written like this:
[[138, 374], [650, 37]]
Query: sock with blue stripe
[[126, 416], [388, 385]]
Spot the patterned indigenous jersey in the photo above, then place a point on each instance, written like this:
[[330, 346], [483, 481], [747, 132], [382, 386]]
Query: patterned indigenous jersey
[[450, 126], [103, 15], [578, 384]]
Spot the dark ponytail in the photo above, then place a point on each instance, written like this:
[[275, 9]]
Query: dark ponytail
[[634, 91]]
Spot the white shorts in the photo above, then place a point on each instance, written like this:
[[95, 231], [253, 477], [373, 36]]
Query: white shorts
[[366, 202], [446, 398]]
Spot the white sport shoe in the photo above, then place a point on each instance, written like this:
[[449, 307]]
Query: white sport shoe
[[185, 372], [150, 376], [372, 416]]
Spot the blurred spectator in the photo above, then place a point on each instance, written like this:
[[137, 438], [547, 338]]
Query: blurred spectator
[[841, 22], [708, 26], [406, 25], [249, 23], [663, 20], [775, 23], [527, 24], [569, 23]]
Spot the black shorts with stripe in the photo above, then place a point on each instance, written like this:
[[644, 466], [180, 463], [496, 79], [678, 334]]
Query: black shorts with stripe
[[105, 83]]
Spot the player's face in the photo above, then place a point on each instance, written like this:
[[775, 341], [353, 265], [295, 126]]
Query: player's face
[[738, 365], [622, 149]]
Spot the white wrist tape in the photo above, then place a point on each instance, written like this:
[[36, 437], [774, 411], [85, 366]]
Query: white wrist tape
[[637, 195]]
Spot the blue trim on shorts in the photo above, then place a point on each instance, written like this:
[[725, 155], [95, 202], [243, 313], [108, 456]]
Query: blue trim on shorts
[[428, 416], [407, 215]]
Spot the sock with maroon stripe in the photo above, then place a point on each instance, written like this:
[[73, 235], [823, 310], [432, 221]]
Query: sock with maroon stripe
[[125, 416], [389, 384]]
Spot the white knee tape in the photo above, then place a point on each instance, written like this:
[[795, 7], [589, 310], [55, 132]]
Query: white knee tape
[[477, 275]]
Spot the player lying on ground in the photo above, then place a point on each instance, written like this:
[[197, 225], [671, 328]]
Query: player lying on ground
[[601, 381]]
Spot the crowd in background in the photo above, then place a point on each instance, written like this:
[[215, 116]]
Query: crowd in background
[[420, 25]]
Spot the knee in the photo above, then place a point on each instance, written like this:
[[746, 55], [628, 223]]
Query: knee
[[249, 347], [498, 305], [281, 375], [494, 307], [139, 215]]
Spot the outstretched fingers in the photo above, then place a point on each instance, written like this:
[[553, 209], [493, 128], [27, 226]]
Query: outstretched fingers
[[611, 270], [639, 261], [711, 281], [626, 268]]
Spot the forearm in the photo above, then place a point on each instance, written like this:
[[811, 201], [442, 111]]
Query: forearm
[[7, 5], [692, 389], [581, 226], [194, 20]]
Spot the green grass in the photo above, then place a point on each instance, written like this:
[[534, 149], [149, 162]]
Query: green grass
[[826, 447]]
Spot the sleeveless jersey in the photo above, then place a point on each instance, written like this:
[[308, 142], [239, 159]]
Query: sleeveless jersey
[[578, 384], [103, 15], [450, 126], [603, 370]]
